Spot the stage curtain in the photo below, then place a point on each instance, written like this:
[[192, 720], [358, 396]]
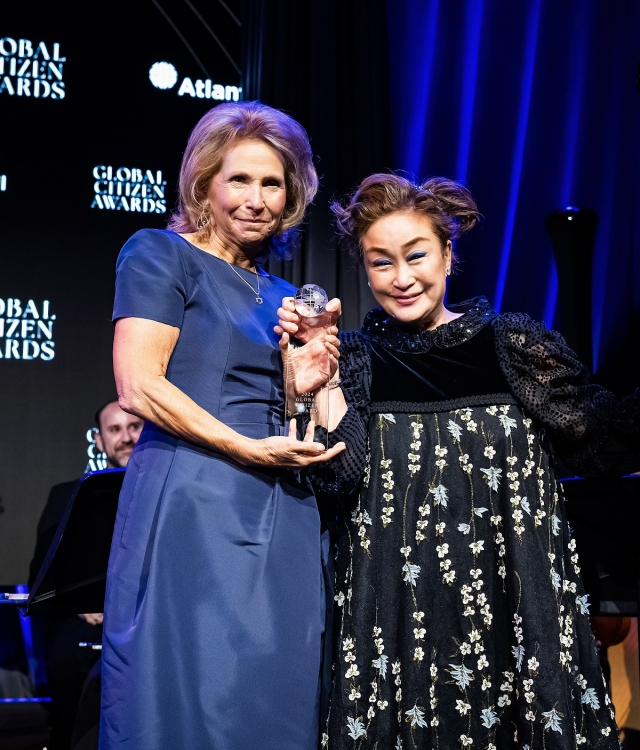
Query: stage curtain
[[326, 64], [532, 104]]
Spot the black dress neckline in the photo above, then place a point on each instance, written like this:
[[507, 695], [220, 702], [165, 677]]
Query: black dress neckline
[[381, 328]]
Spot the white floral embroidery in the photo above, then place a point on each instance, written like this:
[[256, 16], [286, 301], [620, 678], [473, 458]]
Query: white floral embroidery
[[477, 547], [489, 717], [492, 477], [440, 495], [381, 665], [508, 423], [356, 728], [455, 430], [416, 715], [553, 720], [461, 674], [518, 652], [590, 698], [582, 604]]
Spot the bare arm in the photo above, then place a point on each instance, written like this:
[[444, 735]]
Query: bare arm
[[141, 353]]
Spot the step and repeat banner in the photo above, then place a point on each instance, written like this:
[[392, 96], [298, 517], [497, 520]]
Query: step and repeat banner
[[96, 104]]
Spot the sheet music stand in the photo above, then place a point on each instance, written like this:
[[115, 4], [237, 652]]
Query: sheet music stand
[[73, 575]]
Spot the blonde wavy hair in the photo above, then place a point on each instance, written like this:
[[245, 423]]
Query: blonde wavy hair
[[229, 123]]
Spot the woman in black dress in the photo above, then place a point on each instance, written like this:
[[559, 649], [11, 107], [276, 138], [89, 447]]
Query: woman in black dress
[[463, 621]]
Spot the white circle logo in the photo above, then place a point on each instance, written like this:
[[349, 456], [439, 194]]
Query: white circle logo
[[163, 75]]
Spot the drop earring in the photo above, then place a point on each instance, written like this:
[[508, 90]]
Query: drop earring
[[203, 219]]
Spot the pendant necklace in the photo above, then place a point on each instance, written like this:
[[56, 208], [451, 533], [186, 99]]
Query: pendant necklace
[[259, 299]]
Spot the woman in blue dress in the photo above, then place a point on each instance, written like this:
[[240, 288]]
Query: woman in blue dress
[[215, 606]]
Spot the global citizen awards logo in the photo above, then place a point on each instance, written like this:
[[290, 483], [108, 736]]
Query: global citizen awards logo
[[125, 189], [26, 330], [164, 76], [31, 69]]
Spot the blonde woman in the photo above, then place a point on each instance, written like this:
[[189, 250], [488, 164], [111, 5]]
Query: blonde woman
[[215, 608]]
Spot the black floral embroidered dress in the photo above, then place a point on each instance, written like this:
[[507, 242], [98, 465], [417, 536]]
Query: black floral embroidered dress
[[463, 619]]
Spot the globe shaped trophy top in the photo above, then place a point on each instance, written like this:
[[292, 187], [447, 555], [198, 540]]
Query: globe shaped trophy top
[[310, 300]]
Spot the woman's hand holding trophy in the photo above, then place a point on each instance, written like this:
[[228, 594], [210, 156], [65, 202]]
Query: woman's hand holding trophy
[[309, 346]]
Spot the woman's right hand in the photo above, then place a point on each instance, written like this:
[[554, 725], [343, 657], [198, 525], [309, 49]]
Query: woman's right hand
[[306, 329], [285, 452]]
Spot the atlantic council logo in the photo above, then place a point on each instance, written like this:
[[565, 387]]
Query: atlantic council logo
[[164, 76], [129, 189], [26, 330], [31, 69]]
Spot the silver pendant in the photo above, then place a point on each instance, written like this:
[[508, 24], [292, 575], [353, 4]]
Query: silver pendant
[[259, 300]]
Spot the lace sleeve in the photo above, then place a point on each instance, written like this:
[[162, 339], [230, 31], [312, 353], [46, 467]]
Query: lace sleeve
[[592, 432], [343, 474]]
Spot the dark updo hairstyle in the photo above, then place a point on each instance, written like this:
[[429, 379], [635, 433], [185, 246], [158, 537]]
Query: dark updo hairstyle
[[447, 204]]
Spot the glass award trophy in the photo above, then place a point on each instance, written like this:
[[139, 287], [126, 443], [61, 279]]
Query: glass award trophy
[[310, 302]]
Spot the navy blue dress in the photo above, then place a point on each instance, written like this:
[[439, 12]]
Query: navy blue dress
[[215, 607]]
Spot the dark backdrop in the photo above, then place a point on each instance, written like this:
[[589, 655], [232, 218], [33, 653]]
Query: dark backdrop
[[326, 63], [532, 104], [53, 245]]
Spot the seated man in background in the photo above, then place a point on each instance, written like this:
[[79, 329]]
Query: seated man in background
[[67, 665]]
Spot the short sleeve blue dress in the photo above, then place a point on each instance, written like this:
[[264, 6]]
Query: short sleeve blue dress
[[215, 606]]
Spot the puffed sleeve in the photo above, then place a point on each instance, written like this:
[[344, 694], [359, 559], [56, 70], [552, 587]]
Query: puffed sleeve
[[150, 279], [592, 431], [342, 474]]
